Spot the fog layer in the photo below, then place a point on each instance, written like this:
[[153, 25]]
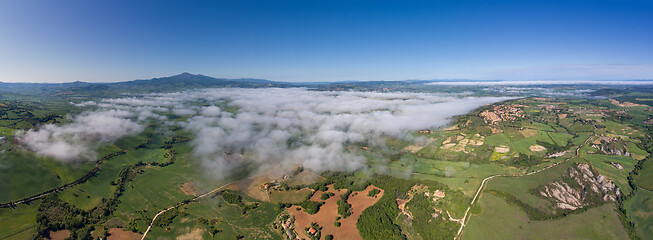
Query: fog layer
[[269, 127]]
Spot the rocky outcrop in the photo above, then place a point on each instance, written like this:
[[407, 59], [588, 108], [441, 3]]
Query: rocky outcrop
[[580, 186], [612, 146]]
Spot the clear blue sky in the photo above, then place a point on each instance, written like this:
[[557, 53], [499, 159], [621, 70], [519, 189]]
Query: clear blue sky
[[306, 40]]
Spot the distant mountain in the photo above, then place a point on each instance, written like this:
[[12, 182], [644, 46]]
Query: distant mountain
[[186, 81], [198, 80], [179, 82]]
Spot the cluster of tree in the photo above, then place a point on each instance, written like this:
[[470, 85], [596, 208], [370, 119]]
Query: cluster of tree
[[524, 160], [168, 144], [54, 214], [167, 217], [427, 223], [321, 186], [234, 198], [373, 192], [170, 155], [379, 220], [311, 207], [344, 208], [212, 226], [326, 195], [344, 180], [298, 170], [287, 187], [141, 216], [284, 205], [49, 118]]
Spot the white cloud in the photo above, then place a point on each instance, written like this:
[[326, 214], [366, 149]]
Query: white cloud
[[271, 127], [78, 140]]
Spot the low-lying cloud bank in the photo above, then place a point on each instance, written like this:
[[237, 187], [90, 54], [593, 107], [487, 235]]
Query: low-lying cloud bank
[[79, 139], [271, 127]]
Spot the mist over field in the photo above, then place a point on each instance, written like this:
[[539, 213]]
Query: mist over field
[[271, 127]]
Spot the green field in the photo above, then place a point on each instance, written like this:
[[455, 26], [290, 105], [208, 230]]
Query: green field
[[155, 189], [500, 220], [645, 177], [462, 176], [640, 210], [519, 144], [7, 131], [18, 223], [90, 193], [25, 174], [289, 196]]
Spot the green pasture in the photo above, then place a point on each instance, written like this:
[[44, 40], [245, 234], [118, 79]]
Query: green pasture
[[289, 196], [640, 210], [645, 177], [19, 222], [500, 220]]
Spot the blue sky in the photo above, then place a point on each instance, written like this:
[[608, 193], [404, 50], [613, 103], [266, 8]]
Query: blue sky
[[108, 41]]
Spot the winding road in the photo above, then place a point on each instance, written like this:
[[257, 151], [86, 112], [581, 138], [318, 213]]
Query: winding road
[[467, 216]]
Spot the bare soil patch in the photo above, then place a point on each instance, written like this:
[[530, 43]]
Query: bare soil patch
[[537, 148], [413, 148], [195, 234], [625, 104], [189, 188], [120, 234], [329, 211], [416, 147], [451, 128], [461, 142], [502, 149], [59, 235]]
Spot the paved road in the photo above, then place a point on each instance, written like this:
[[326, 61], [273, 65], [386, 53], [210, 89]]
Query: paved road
[[466, 217]]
